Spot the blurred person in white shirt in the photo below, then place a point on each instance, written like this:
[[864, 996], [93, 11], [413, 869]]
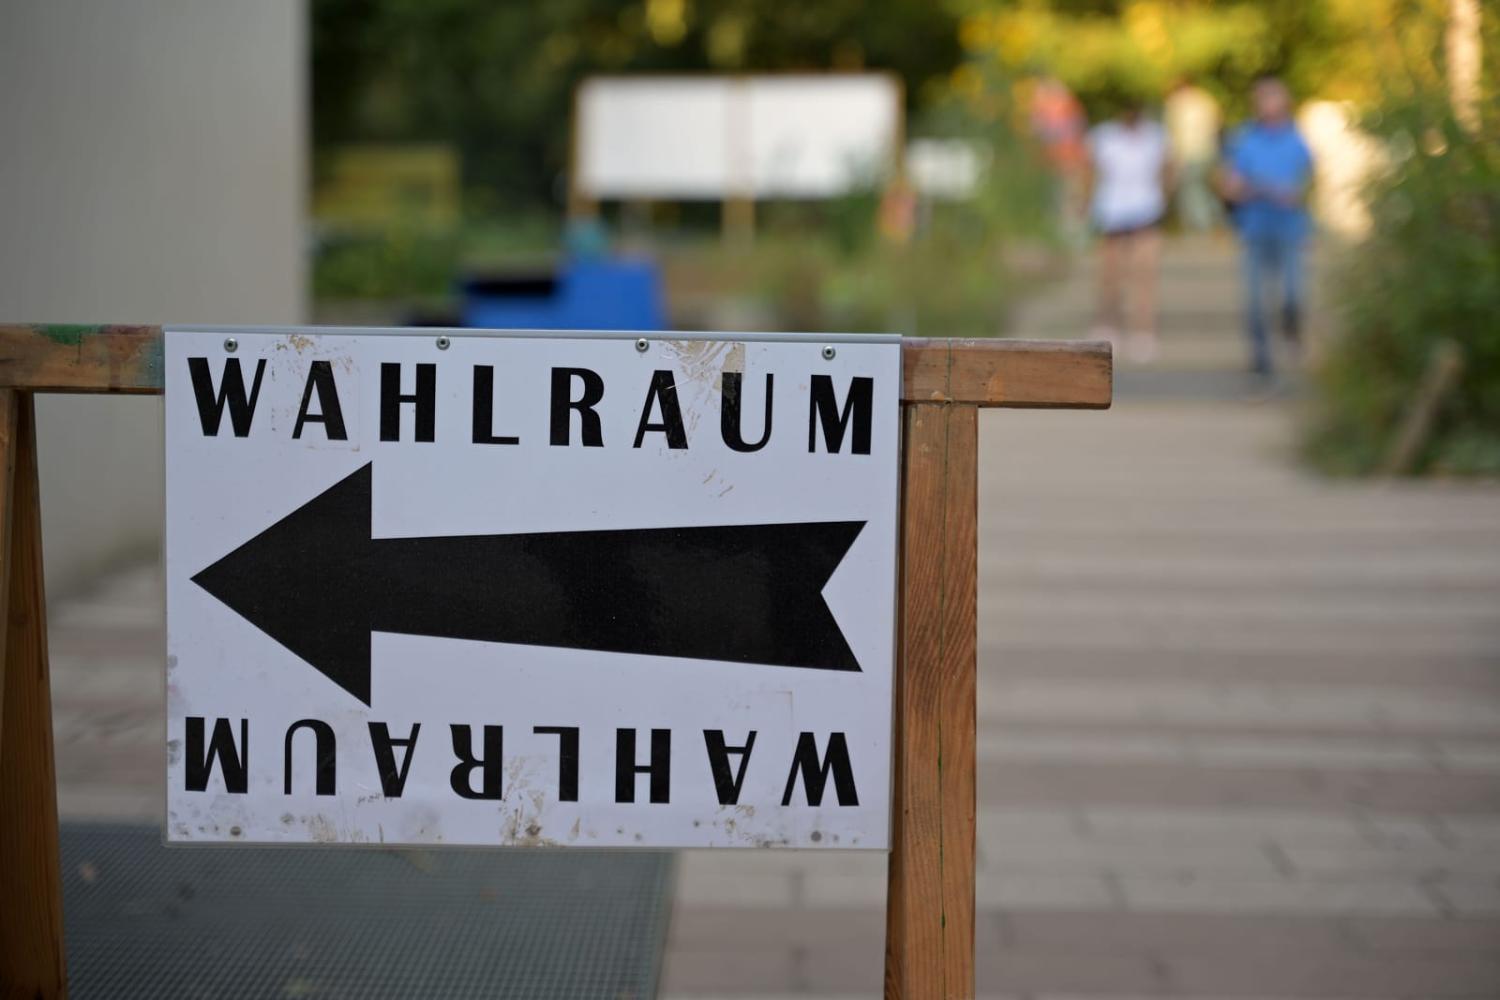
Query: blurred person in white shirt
[[1129, 171]]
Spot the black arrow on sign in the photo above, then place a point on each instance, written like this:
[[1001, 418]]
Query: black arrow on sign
[[319, 584]]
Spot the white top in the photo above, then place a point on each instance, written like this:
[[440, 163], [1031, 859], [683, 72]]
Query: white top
[[1128, 163]]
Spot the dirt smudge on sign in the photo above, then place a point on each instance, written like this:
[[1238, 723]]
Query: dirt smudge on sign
[[523, 823], [321, 829], [702, 364], [702, 361], [524, 829]]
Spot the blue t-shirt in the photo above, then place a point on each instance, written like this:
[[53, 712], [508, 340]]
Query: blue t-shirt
[[1273, 160]]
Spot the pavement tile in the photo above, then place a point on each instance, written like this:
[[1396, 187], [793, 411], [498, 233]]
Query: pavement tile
[[703, 886], [1471, 755], [710, 926], [115, 803], [1027, 972], [1190, 785], [97, 765], [1474, 830], [1472, 978], [749, 861], [1358, 708], [730, 970], [108, 681], [1042, 891], [1321, 862], [1077, 855], [822, 890], [813, 969], [1314, 827], [1383, 935], [1471, 675], [1296, 897], [99, 643], [1469, 896], [1021, 822], [1210, 750], [1088, 931]]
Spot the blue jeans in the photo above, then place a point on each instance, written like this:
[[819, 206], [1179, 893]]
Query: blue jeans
[[1267, 255]]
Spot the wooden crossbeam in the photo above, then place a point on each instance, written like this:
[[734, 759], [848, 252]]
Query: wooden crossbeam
[[1060, 374]]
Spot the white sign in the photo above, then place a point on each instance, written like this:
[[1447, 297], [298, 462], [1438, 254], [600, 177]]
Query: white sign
[[784, 136], [945, 168], [491, 588]]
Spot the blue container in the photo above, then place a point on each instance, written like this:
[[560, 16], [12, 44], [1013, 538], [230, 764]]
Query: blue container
[[595, 294]]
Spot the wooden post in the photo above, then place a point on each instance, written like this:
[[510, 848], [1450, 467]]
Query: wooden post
[[930, 901], [929, 946], [31, 931], [9, 401], [737, 220]]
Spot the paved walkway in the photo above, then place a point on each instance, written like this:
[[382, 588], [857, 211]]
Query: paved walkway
[[1239, 727], [1239, 736]]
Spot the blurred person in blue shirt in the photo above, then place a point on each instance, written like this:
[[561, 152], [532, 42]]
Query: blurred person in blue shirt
[[1266, 172]]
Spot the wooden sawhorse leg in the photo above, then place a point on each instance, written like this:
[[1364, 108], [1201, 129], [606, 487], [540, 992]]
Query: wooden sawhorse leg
[[31, 924], [930, 905]]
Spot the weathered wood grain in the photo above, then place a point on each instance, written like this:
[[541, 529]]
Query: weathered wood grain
[[1044, 374], [31, 931], [930, 900], [56, 358], [1013, 373], [9, 412]]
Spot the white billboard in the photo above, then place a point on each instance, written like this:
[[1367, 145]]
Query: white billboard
[[715, 137]]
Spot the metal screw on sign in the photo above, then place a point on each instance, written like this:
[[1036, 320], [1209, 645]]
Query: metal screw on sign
[[828, 352], [443, 342], [642, 344], [231, 345]]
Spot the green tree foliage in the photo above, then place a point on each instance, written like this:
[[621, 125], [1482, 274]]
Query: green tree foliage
[[496, 79], [1104, 49]]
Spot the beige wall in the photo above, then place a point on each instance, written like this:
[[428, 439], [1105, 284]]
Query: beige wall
[[153, 164]]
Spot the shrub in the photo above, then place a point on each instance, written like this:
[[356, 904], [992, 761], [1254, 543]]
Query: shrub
[[1429, 271], [395, 263]]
